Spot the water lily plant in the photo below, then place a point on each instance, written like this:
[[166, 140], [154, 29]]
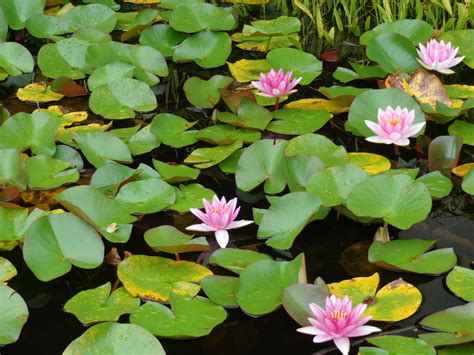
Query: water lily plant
[[395, 126], [276, 84], [219, 218], [338, 322], [438, 56]]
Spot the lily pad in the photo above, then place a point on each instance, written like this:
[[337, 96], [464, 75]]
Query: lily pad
[[170, 240], [161, 37], [454, 326], [109, 177], [170, 130], [143, 141], [461, 282], [410, 255], [56, 242], [394, 344], [462, 129], [195, 17], [438, 185], [188, 317], [236, 260], [262, 284], [191, 196], [282, 223], [298, 121], [204, 158], [113, 338], [48, 173], [155, 278], [37, 92], [221, 289], [462, 39], [99, 304], [245, 70], [175, 173], [224, 134], [416, 31], [443, 153], [395, 301], [249, 115], [7, 270], [13, 315], [397, 199], [205, 93], [468, 183], [12, 169]]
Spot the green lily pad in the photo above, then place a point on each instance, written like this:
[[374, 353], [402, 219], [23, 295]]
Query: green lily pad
[[146, 196], [12, 169], [50, 27], [207, 48], [54, 243], [205, 93], [13, 315], [335, 91], [366, 105], [12, 222], [18, 12], [170, 240], [334, 184], [443, 153], [438, 185], [120, 98], [188, 317], [297, 298], [409, 255], [282, 223], [461, 282], [263, 161], [143, 141], [95, 16], [236, 260], [262, 284], [300, 169], [344, 75], [395, 344], [48, 173], [221, 289], [442, 113], [109, 177], [190, 196], [319, 146], [302, 64], [145, 58], [155, 278], [108, 73], [454, 326], [394, 52], [462, 39], [99, 304], [170, 130], [36, 132], [249, 115], [224, 134], [204, 158], [114, 338], [70, 156], [462, 129], [7, 270], [398, 199], [468, 183], [97, 209], [416, 31], [195, 17], [395, 301], [101, 148], [15, 59], [161, 37], [175, 173], [229, 165], [298, 121]]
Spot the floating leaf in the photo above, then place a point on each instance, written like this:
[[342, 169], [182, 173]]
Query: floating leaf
[[170, 240], [249, 115], [38, 92], [7, 270], [298, 121], [191, 196], [224, 134], [188, 317], [454, 326], [394, 344], [13, 315], [397, 199], [456, 91], [462, 39], [115, 337], [262, 283], [12, 169], [282, 223], [170, 130], [462, 170], [416, 31], [48, 173], [461, 282], [462, 129], [410, 255], [468, 183], [205, 93], [236, 260], [99, 305], [204, 158], [332, 106], [221, 289], [155, 278], [395, 301], [438, 185], [109, 177], [93, 16], [195, 17], [56, 242], [175, 173], [246, 70], [161, 37], [443, 153]]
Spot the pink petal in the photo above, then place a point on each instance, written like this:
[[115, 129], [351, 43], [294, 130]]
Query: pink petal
[[310, 330], [363, 330], [239, 224], [322, 338], [343, 344], [200, 228], [222, 237]]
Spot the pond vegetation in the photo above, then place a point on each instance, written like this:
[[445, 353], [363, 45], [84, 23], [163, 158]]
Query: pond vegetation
[[320, 152]]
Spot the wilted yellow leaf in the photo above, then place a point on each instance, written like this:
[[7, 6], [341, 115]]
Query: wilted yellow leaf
[[371, 163], [460, 91], [45, 198], [359, 288], [8, 246], [247, 69], [38, 92], [332, 106], [463, 170], [66, 135]]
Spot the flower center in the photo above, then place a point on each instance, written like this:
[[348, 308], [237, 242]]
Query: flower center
[[394, 120], [336, 315]]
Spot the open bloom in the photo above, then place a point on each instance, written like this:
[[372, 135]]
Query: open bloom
[[394, 127], [276, 84], [338, 322], [438, 56], [219, 217]]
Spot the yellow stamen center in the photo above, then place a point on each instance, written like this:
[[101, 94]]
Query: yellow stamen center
[[336, 315], [394, 120]]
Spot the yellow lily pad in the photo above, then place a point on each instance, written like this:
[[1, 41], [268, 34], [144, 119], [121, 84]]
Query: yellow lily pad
[[38, 92], [371, 163], [332, 106], [395, 301], [457, 91], [7, 270], [463, 170], [247, 69], [155, 278]]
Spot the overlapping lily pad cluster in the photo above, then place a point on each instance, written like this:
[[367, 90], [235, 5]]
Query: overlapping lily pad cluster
[[69, 178]]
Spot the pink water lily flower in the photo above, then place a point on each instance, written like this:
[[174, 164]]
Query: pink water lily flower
[[219, 218], [438, 56], [394, 127], [338, 322], [276, 84]]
